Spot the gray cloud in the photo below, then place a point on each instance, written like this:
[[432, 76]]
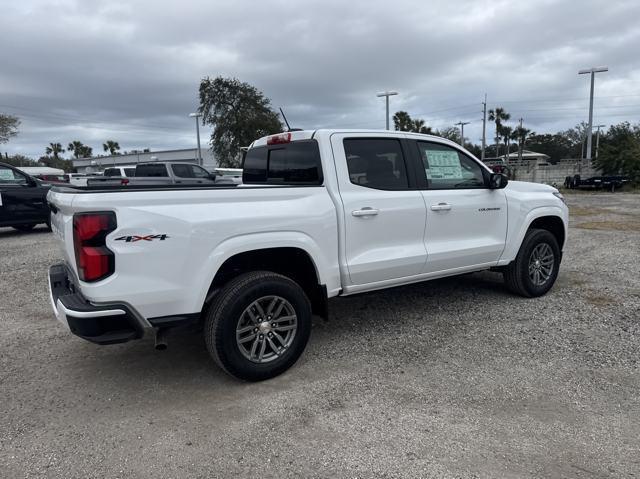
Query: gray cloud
[[130, 70]]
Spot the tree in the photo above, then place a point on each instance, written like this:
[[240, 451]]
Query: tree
[[498, 116], [505, 133], [556, 146], [55, 150], [112, 147], [402, 121], [239, 114], [520, 135], [8, 127], [450, 133], [79, 149], [17, 160], [619, 151]]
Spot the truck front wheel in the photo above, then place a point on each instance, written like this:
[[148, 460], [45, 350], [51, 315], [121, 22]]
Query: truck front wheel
[[535, 269], [258, 325]]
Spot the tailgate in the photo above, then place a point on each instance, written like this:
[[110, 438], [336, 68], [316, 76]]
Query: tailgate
[[61, 207]]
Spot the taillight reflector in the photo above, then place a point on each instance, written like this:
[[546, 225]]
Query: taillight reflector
[[94, 260], [279, 139]]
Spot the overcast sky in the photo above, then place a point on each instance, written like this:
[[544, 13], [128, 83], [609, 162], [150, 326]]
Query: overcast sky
[[130, 70]]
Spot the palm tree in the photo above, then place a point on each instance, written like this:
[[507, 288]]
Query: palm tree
[[506, 132], [54, 149], [418, 126], [498, 116], [78, 149], [111, 146], [520, 135]]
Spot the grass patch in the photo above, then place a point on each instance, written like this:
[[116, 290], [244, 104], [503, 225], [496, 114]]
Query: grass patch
[[609, 225], [582, 211]]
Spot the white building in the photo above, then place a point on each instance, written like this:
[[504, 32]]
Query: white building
[[528, 156], [188, 155]]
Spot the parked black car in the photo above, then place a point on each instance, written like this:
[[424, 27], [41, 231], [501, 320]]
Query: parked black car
[[23, 199]]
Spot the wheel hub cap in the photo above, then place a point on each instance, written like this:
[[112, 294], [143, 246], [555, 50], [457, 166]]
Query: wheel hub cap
[[266, 329], [541, 263]]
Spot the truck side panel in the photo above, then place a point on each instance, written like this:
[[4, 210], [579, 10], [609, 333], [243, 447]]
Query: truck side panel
[[169, 244]]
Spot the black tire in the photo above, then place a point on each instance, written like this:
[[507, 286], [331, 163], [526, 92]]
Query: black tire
[[24, 228], [516, 274], [227, 309]]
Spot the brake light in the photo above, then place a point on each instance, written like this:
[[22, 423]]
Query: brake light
[[279, 139], [94, 260]]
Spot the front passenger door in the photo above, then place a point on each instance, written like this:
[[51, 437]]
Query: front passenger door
[[466, 221]]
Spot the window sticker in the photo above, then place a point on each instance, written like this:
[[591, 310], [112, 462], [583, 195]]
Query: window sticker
[[443, 165], [6, 174]]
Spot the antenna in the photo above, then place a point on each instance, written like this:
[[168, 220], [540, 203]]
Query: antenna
[[285, 119]]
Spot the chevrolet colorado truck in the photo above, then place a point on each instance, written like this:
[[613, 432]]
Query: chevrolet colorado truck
[[319, 214]]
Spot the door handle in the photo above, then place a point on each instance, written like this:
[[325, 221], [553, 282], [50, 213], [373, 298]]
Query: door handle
[[441, 207], [366, 211]]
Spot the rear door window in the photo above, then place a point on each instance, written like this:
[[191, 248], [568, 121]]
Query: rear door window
[[112, 172], [130, 172], [295, 163], [157, 171], [376, 163]]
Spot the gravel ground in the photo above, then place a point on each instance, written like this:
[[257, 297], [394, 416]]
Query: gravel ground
[[452, 378]]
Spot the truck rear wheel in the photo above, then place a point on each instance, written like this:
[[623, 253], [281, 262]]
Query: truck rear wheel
[[535, 269], [258, 325]]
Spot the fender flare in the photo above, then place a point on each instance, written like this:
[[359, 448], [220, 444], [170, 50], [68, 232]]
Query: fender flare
[[513, 244], [257, 241]]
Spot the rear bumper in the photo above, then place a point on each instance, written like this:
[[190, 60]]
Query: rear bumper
[[100, 324]]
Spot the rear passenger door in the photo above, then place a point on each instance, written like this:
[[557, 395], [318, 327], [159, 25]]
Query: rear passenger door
[[384, 213], [190, 174], [466, 221]]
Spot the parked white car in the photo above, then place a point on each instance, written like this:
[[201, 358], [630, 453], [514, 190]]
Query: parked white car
[[319, 214]]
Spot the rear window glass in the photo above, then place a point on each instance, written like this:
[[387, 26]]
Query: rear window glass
[[296, 163], [151, 170]]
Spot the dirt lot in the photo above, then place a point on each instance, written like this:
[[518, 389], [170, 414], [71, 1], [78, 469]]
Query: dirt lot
[[453, 378]]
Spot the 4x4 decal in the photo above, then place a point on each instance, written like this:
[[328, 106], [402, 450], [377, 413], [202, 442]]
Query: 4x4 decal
[[134, 238]]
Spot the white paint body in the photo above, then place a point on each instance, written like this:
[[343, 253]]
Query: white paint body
[[405, 242]]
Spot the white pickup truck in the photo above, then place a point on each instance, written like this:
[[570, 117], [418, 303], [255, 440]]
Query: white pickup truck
[[319, 214]]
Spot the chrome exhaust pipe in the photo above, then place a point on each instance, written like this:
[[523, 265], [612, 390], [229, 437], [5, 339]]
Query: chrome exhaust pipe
[[161, 339]]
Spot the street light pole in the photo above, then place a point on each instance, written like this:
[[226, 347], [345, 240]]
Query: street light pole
[[387, 94], [462, 123], [592, 72], [197, 117], [484, 126]]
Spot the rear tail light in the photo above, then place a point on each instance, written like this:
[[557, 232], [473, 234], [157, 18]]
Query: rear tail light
[[94, 260], [124, 181], [279, 139]]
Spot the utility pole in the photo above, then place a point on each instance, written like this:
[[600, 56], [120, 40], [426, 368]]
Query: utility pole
[[462, 123], [484, 126], [593, 72], [520, 144], [387, 94], [197, 117], [598, 138]]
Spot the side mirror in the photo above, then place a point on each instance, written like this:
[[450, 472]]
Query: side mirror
[[497, 181]]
